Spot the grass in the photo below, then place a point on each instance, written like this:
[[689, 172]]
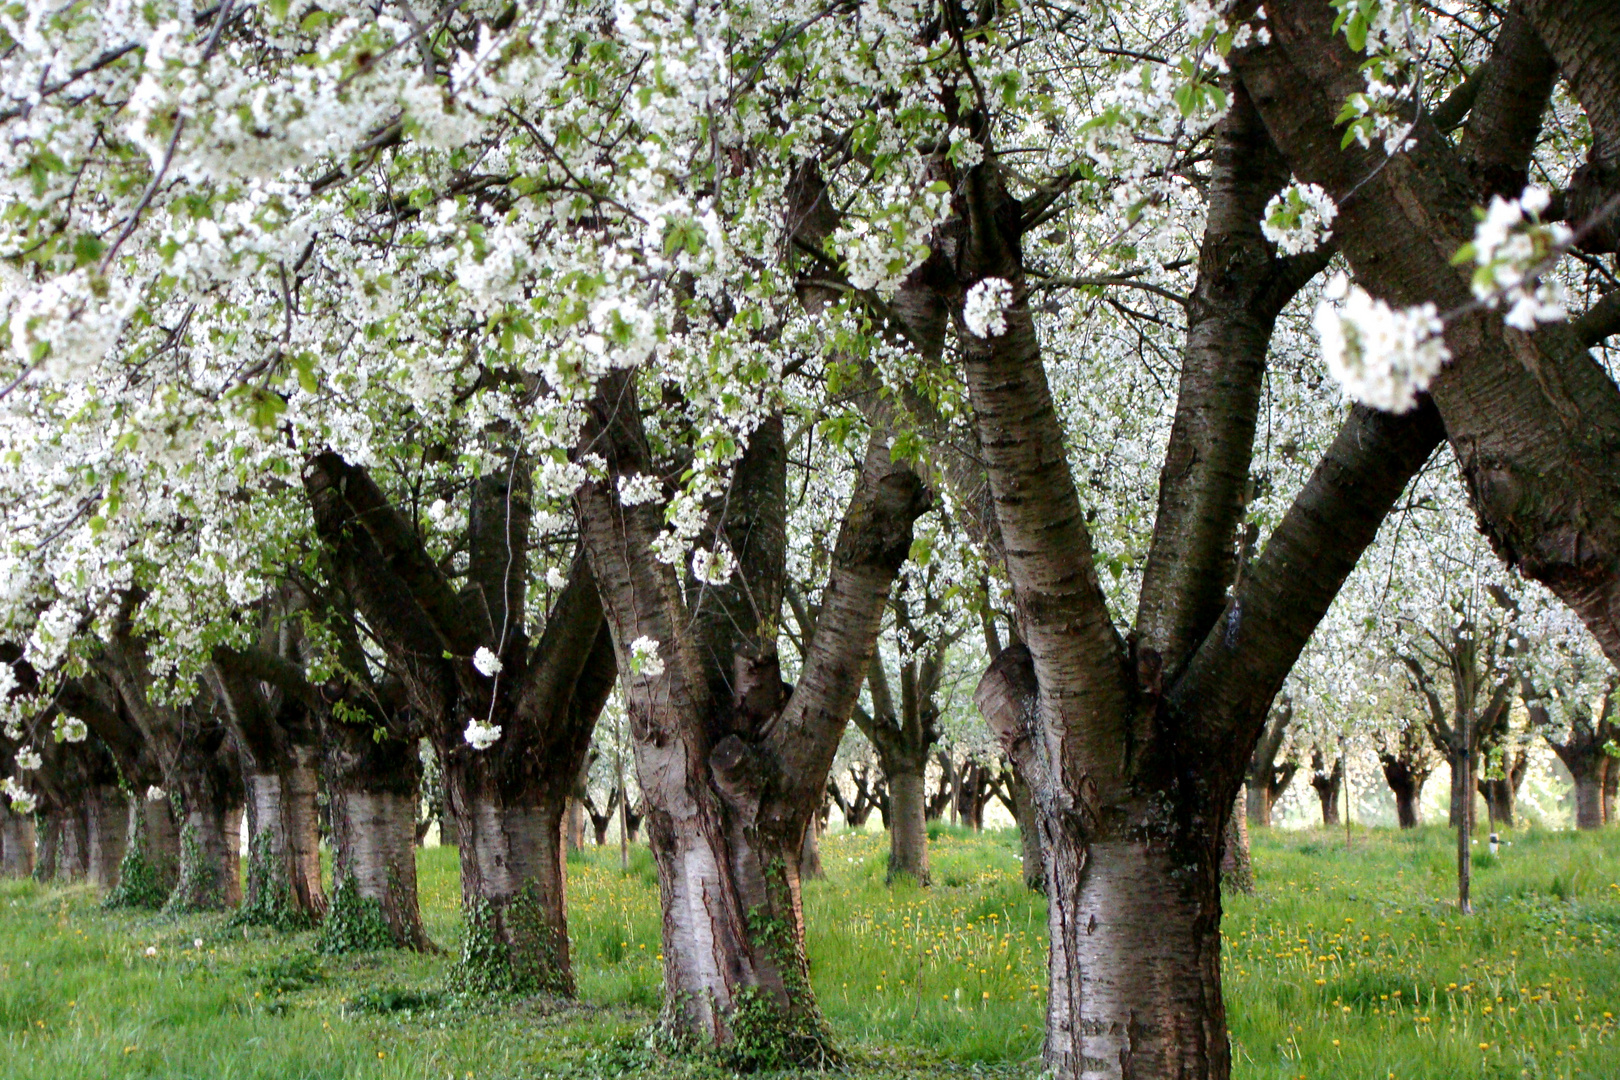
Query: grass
[[1345, 964]]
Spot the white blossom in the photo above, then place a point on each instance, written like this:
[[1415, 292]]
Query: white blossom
[[22, 800], [637, 489], [1299, 218], [714, 567], [555, 577], [155, 794], [1381, 356], [644, 658], [488, 664], [72, 729], [1510, 245], [481, 736], [28, 759], [985, 310]]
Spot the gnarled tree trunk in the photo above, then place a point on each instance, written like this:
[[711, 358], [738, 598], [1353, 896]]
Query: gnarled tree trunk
[[732, 765], [372, 786]]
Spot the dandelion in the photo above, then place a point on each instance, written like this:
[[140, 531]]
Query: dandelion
[[151, 950]]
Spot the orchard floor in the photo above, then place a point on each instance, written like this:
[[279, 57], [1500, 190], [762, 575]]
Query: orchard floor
[[1344, 964]]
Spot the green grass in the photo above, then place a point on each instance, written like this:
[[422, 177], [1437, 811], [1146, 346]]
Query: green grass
[[1345, 964]]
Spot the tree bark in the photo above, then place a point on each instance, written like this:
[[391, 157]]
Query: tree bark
[[210, 837], [16, 844], [1134, 967], [509, 799], [1031, 854], [1237, 868], [1462, 790], [810, 868], [107, 833], [1327, 785], [1588, 801], [284, 862], [1611, 781], [49, 837], [1406, 784], [908, 827], [372, 788]]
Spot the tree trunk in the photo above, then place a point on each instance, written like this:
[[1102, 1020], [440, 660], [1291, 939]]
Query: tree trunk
[[1499, 800], [374, 856], [210, 838], [1588, 801], [1462, 791], [449, 834], [372, 787], [107, 819], [284, 861], [1257, 806], [1611, 782], [16, 844], [575, 824], [810, 868], [908, 826], [1327, 793], [73, 855], [50, 846], [1406, 784], [1237, 869], [1029, 832], [512, 879], [151, 864], [1134, 968], [1406, 806]]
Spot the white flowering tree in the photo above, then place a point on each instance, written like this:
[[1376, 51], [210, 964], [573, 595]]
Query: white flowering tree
[[598, 257]]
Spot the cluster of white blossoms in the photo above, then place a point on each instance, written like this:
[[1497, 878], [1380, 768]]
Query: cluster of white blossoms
[[644, 658], [68, 323], [714, 567], [488, 665], [1299, 218], [985, 309], [1382, 356], [22, 800], [28, 758], [481, 735], [72, 729], [155, 793], [637, 489], [1511, 249]]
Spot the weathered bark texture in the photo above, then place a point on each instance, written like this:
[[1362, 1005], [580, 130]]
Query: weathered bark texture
[[372, 788], [1237, 869], [1031, 854], [278, 737], [733, 764]]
